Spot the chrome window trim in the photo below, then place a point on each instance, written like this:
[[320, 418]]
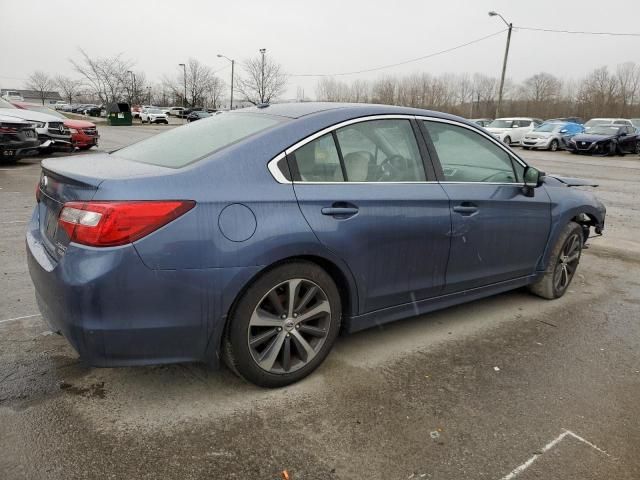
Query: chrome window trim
[[280, 178], [275, 171]]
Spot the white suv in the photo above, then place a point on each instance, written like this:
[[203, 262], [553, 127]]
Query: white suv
[[153, 115], [511, 130]]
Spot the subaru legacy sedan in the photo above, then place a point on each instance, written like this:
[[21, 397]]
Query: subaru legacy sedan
[[256, 236]]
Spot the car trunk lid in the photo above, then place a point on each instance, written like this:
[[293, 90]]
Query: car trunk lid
[[77, 179]]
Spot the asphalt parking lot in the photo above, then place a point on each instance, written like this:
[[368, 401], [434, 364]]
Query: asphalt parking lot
[[507, 387]]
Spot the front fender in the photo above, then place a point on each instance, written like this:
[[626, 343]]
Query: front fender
[[567, 204]]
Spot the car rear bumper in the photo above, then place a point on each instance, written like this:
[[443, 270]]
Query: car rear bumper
[[11, 149], [116, 311]]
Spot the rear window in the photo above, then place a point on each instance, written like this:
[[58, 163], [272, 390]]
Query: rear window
[[190, 143]]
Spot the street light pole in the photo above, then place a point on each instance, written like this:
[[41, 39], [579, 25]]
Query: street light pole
[[504, 62], [262, 51], [232, 65], [149, 92], [184, 98], [133, 84]]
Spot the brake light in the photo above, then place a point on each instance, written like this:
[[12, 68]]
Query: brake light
[[108, 224]]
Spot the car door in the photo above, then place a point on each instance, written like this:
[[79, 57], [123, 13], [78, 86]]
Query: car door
[[498, 232], [364, 191], [628, 139]]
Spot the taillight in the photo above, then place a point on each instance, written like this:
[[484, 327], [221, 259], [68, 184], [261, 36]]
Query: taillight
[[38, 191], [108, 224]]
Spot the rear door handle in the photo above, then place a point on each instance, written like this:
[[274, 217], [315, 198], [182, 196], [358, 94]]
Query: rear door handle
[[465, 208], [339, 211]]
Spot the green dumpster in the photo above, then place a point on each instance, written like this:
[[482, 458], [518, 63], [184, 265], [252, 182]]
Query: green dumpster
[[119, 114]]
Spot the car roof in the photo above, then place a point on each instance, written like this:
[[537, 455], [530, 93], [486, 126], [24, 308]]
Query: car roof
[[353, 110]]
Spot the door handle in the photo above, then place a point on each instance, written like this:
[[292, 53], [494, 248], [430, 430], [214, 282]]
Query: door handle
[[339, 211], [465, 209]]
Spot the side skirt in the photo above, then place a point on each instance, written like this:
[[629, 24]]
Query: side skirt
[[406, 310]]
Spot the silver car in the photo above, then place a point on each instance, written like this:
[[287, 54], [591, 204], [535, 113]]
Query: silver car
[[551, 135]]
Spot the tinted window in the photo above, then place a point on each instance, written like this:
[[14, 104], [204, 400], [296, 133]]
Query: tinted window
[[318, 161], [381, 151], [466, 156], [184, 145]]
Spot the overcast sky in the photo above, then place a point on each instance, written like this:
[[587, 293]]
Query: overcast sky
[[319, 36]]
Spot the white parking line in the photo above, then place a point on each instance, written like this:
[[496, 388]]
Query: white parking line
[[521, 468], [13, 221], [19, 318]]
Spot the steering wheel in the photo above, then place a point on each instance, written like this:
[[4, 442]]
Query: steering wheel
[[392, 167]]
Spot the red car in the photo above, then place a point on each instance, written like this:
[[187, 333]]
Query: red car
[[84, 135]]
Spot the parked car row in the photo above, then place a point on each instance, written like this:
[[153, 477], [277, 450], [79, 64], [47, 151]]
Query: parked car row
[[89, 109], [29, 129], [598, 136]]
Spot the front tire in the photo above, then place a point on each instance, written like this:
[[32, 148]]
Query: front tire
[[563, 264], [553, 146], [507, 140], [284, 325]]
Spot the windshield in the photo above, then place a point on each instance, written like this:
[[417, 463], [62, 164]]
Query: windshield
[[501, 124], [593, 123], [549, 127], [190, 143], [154, 110], [604, 130]]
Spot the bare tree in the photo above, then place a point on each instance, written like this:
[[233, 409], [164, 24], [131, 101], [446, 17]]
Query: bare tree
[[69, 87], [41, 83], [261, 83], [628, 77], [543, 95], [202, 85], [106, 76], [215, 92]]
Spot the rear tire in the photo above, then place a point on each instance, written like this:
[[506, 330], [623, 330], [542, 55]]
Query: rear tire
[[273, 341], [563, 264]]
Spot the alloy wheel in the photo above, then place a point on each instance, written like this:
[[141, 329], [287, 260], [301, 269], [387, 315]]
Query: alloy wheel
[[567, 262], [289, 326]]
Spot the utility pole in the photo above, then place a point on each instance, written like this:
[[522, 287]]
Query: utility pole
[[504, 63], [232, 65], [262, 51], [184, 98], [133, 85]]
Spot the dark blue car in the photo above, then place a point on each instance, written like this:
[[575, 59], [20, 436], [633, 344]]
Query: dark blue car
[[257, 236]]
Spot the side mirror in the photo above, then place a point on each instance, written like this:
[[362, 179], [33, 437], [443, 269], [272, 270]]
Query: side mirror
[[532, 179]]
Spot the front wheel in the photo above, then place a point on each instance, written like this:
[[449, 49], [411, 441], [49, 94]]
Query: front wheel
[[563, 264], [507, 140], [553, 146], [284, 325]]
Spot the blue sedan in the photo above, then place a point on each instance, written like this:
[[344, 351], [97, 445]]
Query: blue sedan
[[256, 236]]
